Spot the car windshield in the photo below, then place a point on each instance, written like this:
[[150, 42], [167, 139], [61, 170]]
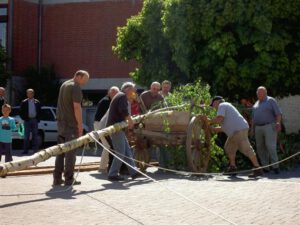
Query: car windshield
[[47, 115]]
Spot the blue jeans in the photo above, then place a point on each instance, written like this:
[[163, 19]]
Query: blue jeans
[[31, 126], [121, 146]]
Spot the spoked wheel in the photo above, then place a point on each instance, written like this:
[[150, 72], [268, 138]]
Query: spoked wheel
[[141, 154], [198, 144]]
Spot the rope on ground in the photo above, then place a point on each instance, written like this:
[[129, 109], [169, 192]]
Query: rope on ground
[[171, 190], [186, 173]]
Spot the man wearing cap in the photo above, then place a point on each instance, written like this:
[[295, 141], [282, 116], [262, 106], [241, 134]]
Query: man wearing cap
[[236, 128], [266, 123]]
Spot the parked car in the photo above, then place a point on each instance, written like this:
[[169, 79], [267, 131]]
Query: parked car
[[47, 128]]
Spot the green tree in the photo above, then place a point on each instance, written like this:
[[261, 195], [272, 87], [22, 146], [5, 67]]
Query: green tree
[[143, 39], [233, 45], [4, 74]]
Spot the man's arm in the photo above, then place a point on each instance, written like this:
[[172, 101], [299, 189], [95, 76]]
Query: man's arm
[[130, 122], [216, 120], [78, 117], [278, 122]]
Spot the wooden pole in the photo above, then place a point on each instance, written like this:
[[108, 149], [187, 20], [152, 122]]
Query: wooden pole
[[55, 150]]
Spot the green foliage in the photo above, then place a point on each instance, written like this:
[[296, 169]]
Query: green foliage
[[196, 96], [233, 45], [143, 39], [45, 84], [286, 147], [4, 75]]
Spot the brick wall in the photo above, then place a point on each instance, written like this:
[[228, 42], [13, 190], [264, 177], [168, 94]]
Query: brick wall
[[75, 36], [81, 36], [25, 35], [290, 107]]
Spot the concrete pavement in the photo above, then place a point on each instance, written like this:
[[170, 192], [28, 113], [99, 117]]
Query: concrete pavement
[[273, 199]]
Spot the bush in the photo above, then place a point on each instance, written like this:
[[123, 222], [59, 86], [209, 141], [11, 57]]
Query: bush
[[196, 96]]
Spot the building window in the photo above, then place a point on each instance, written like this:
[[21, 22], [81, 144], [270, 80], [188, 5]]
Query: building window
[[3, 10], [3, 25]]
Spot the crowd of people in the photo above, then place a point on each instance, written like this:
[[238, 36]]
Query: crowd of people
[[120, 105]]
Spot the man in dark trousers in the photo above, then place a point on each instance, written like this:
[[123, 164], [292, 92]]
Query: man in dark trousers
[[30, 111], [70, 126], [2, 98], [118, 112]]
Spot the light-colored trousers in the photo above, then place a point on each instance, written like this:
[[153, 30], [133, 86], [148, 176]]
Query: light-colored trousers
[[266, 140], [105, 155]]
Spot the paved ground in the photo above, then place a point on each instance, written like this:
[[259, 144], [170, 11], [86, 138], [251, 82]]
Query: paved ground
[[273, 199]]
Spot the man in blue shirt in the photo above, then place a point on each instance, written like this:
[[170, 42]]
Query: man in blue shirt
[[266, 123], [7, 125]]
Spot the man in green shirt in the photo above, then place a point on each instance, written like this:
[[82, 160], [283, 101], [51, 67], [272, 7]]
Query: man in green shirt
[[69, 123]]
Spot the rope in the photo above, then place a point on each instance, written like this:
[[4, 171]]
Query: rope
[[186, 173], [169, 189], [215, 174]]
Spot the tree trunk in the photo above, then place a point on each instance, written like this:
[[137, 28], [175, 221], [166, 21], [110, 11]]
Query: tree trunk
[[47, 153]]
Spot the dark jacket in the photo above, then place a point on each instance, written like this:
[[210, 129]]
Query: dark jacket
[[118, 109], [102, 107], [24, 110]]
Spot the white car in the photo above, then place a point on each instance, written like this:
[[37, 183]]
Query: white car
[[47, 128]]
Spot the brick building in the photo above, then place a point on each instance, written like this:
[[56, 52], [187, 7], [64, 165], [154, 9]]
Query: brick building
[[69, 34]]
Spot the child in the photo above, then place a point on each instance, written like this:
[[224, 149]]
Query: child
[[7, 126]]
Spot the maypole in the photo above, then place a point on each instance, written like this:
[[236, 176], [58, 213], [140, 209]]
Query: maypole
[[55, 150]]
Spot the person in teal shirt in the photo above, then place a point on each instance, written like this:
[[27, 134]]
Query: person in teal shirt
[[7, 126]]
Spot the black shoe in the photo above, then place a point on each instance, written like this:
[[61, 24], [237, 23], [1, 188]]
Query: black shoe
[[58, 182], [72, 183], [276, 170], [137, 175], [115, 178], [231, 171], [256, 173]]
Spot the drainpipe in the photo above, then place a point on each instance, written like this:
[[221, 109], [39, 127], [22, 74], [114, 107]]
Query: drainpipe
[[10, 48], [40, 17]]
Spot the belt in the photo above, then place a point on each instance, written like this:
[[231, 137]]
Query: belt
[[263, 124]]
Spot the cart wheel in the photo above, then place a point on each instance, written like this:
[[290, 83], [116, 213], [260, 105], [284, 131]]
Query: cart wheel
[[142, 154], [198, 144]]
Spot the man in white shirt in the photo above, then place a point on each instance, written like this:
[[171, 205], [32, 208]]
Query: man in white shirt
[[236, 128]]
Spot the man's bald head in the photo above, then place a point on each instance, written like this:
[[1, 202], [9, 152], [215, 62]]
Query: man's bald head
[[2, 91], [261, 93], [113, 91], [155, 88]]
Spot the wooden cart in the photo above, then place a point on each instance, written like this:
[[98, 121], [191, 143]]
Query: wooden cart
[[175, 128]]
